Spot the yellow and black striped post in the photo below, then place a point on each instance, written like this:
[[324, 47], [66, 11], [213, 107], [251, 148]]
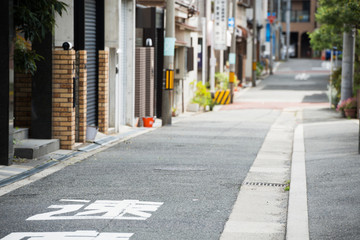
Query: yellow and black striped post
[[169, 79], [222, 97]]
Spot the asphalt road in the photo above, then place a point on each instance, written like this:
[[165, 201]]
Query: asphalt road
[[192, 171], [177, 182]]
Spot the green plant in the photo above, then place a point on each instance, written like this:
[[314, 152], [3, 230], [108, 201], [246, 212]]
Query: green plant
[[222, 81], [174, 111], [287, 187], [24, 57], [32, 20], [202, 95], [259, 69], [336, 83]]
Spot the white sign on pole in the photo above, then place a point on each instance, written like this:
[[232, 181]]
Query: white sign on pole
[[220, 25], [231, 24]]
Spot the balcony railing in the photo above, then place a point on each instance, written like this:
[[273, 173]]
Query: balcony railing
[[297, 16]]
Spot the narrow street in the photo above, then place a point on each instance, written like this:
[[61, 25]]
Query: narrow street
[[183, 181]]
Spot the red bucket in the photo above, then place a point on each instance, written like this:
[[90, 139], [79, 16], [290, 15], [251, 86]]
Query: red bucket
[[148, 121]]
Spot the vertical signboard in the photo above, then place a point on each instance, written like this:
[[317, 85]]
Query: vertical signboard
[[220, 24]]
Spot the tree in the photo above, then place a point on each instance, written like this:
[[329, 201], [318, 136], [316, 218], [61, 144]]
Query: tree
[[32, 20], [326, 37], [337, 17]]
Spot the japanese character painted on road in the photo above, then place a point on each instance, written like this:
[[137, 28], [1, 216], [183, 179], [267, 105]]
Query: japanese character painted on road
[[100, 209]]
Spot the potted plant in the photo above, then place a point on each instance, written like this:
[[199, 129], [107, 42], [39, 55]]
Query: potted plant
[[348, 107], [174, 112]]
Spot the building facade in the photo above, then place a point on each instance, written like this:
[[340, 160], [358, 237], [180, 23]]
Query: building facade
[[302, 21], [86, 83]]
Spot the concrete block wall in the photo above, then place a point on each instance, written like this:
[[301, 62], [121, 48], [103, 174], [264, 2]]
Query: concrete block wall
[[63, 114], [103, 107]]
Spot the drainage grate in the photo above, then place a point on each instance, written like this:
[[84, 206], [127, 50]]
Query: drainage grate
[[264, 184]]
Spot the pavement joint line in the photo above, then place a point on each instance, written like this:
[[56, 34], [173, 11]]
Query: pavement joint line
[[297, 220]]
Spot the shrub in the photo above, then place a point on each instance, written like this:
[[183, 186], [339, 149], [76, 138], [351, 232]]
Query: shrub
[[221, 81], [202, 95], [350, 103]]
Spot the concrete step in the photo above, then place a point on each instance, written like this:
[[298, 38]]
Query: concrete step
[[35, 148], [21, 134]]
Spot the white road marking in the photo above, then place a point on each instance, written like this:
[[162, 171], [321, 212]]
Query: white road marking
[[74, 200], [77, 235], [101, 209], [302, 76]]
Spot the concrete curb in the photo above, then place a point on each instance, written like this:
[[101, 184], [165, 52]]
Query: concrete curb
[[260, 210], [297, 220]]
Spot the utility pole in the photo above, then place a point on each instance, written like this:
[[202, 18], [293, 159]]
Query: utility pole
[[288, 8], [271, 37], [204, 46], [168, 63], [212, 61], [358, 106], [347, 73], [278, 32], [232, 54], [253, 78], [331, 73]]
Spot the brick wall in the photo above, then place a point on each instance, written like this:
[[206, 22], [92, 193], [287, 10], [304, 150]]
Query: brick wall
[[82, 91], [103, 91], [63, 116], [22, 103]]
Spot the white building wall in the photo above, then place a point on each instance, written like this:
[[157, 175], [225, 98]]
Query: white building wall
[[112, 44], [120, 41], [183, 86], [112, 23], [130, 64], [192, 75], [64, 27]]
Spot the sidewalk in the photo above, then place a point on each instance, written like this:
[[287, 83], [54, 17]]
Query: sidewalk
[[321, 148], [332, 166]]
